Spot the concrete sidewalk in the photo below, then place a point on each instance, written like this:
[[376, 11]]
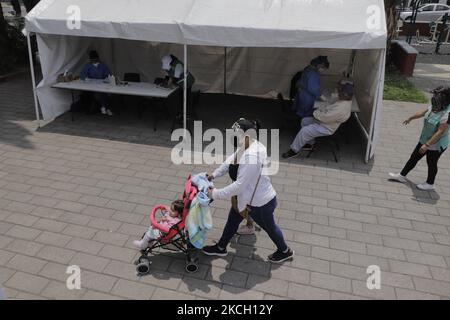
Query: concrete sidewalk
[[430, 76], [78, 193]]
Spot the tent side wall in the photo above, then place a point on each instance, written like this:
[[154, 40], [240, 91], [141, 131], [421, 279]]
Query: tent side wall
[[57, 54], [61, 53], [261, 72], [368, 76]]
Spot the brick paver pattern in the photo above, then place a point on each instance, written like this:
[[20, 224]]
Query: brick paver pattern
[[79, 194]]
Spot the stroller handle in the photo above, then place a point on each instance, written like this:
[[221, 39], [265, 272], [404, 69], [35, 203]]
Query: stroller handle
[[153, 222]]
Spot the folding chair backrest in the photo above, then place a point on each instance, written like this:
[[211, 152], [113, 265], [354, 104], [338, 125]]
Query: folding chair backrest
[[132, 77], [294, 89]]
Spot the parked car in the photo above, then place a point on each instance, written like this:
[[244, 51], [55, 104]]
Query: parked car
[[427, 13]]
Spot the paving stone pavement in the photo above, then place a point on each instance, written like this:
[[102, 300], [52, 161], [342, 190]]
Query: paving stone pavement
[[78, 193]]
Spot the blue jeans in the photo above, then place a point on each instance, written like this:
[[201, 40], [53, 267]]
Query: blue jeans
[[263, 216]]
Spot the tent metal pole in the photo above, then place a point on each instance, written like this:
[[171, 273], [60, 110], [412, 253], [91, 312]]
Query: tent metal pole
[[376, 108], [225, 71], [33, 79], [185, 90]]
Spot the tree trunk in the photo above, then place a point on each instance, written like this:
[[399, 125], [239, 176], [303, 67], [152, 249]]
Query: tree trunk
[[2, 21], [5, 45], [391, 24]]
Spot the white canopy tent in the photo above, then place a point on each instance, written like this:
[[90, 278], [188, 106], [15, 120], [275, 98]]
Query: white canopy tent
[[250, 47]]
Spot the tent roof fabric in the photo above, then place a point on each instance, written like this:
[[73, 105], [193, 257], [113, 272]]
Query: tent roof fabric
[[339, 24]]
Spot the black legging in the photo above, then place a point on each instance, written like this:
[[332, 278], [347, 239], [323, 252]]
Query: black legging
[[432, 161]]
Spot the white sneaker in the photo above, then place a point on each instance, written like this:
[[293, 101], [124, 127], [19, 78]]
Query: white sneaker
[[397, 177], [141, 244], [103, 110], [246, 230], [109, 112], [425, 187]]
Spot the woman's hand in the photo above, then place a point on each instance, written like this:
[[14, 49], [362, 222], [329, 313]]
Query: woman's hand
[[210, 193], [423, 149], [407, 121], [210, 176]]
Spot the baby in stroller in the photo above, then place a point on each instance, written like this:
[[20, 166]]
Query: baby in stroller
[[169, 218], [183, 226]]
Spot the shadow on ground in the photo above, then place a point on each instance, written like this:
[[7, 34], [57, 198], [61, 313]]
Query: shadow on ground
[[216, 111], [226, 273], [428, 197], [17, 112]]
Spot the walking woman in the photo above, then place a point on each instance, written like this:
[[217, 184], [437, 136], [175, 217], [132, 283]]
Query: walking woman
[[434, 139], [252, 192]]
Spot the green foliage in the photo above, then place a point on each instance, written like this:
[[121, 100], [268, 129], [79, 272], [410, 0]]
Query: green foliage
[[398, 88], [13, 47]]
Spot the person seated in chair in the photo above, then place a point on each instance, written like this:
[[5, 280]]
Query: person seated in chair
[[97, 70], [326, 119]]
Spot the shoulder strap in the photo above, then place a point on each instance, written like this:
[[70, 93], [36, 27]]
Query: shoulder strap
[[256, 186]]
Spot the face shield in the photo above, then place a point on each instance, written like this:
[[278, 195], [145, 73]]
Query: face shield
[[166, 61], [242, 129], [439, 100], [238, 135]]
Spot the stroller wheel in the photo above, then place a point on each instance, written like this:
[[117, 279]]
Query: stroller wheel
[[142, 258], [142, 266], [191, 267]]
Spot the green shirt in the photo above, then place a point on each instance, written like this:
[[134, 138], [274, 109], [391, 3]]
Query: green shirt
[[432, 122]]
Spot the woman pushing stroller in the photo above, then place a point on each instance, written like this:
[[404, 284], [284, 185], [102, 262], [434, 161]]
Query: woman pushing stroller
[[252, 193]]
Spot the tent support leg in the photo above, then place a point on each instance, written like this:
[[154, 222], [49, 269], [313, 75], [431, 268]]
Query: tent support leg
[[225, 71], [33, 79], [185, 90], [376, 108]]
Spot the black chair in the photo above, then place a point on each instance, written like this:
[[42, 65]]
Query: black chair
[[331, 141], [142, 102], [294, 88], [290, 119], [132, 77], [192, 101], [132, 100]]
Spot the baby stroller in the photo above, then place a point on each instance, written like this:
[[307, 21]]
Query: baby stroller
[[174, 238]]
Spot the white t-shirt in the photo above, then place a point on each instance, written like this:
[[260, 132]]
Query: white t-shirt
[[179, 70], [250, 165]]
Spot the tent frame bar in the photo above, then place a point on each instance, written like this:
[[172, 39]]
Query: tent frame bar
[[33, 79], [185, 89], [225, 71], [376, 108]]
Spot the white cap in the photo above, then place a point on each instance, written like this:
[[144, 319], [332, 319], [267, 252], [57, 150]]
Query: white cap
[[166, 60]]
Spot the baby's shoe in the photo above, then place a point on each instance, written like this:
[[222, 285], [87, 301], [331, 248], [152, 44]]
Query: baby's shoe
[[141, 244]]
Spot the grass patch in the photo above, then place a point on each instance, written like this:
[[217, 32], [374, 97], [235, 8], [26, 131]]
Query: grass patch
[[398, 88]]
